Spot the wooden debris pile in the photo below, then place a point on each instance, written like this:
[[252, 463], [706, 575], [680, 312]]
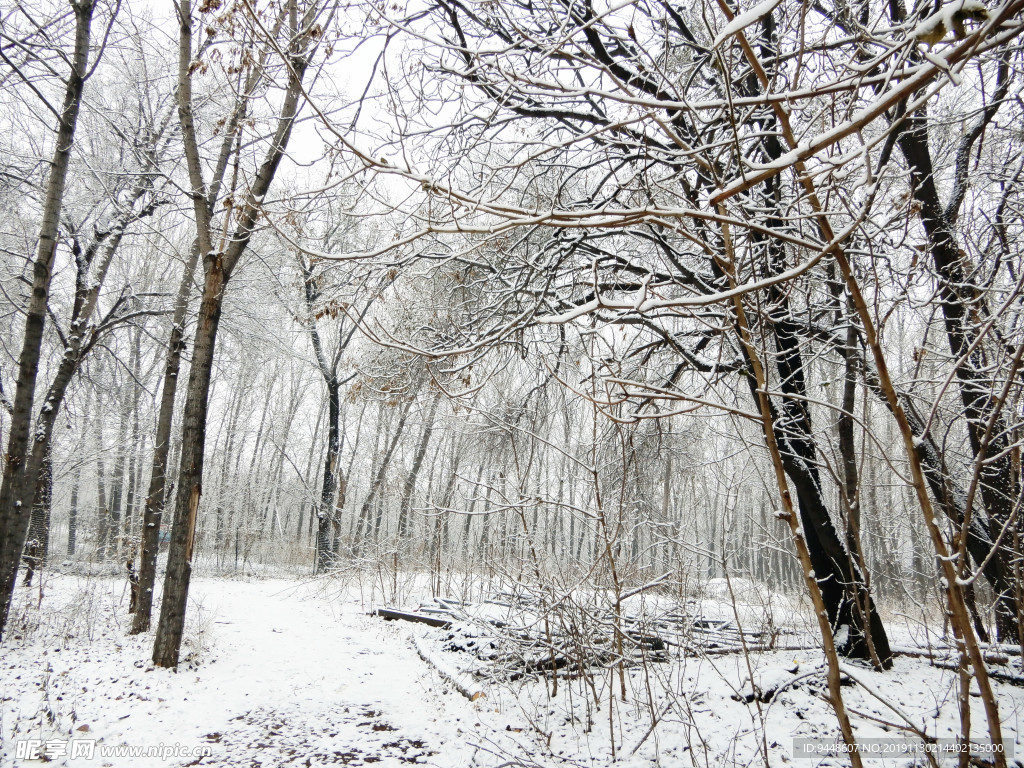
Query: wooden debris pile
[[512, 636]]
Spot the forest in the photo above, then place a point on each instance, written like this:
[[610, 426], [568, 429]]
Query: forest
[[609, 335]]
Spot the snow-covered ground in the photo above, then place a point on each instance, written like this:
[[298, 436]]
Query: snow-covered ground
[[282, 673]]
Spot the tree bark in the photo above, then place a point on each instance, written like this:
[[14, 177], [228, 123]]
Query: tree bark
[[333, 482], [17, 486], [102, 510], [158, 481], [840, 578], [73, 512], [154, 505], [963, 309], [37, 548], [218, 266], [179, 562], [84, 333], [324, 552]]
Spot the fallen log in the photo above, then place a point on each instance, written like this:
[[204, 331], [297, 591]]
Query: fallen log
[[1006, 677], [392, 614], [463, 682]]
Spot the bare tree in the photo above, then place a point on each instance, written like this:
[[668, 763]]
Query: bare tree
[[18, 485], [219, 258]]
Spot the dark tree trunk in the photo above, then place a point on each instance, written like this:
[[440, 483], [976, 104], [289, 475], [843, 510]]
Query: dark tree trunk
[[160, 479], [37, 548], [963, 309], [83, 335], [839, 577], [217, 268], [102, 511], [190, 474], [17, 486], [847, 441], [324, 553], [839, 574], [328, 512], [154, 506], [73, 512]]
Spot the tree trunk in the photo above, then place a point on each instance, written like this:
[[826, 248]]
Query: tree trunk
[[154, 506], [16, 488], [161, 464], [217, 267], [73, 512], [328, 513], [89, 279], [117, 478], [37, 547], [405, 506], [324, 553], [963, 310], [102, 511], [841, 580], [839, 577], [190, 474], [382, 469]]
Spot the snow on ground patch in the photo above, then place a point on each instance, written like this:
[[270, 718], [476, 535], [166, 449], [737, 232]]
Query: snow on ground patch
[[275, 667], [281, 674]]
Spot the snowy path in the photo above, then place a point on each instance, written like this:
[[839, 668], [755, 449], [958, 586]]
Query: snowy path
[[286, 676], [285, 682]]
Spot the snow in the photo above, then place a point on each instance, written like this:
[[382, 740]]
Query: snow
[[941, 23], [744, 20], [842, 635], [267, 662], [281, 673]]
